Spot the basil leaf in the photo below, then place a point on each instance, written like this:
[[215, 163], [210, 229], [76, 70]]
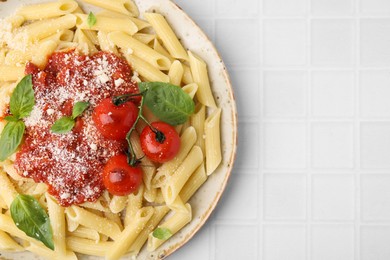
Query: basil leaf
[[22, 99], [11, 118], [91, 19], [79, 108], [63, 125], [10, 139], [168, 102], [162, 233], [30, 217]]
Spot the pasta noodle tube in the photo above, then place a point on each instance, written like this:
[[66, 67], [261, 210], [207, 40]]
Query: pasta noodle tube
[[145, 69], [176, 73], [88, 233], [118, 203], [57, 219], [11, 73], [193, 184], [88, 247], [47, 253], [8, 244], [47, 10], [107, 24], [7, 191], [42, 29], [44, 50], [187, 140], [90, 220], [197, 121], [213, 141], [137, 48], [201, 77], [173, 224], [166, 34], [130, 233], [190, 89], [159, 214], [127, 7], [174, 185], [141, 24]]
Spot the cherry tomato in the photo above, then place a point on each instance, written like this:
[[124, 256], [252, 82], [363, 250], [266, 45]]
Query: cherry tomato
[[112, 121], [160, 142], [119, 177]]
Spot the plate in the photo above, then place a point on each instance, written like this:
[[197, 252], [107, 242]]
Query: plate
[[193, 38]]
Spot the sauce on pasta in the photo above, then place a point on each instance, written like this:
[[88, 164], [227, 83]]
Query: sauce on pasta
[[71, 164]]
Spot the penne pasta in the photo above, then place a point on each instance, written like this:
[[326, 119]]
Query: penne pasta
[[213, 141], [126, 7], [47, 10], [107, 24]]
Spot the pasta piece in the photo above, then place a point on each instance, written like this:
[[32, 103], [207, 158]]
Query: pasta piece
[[17, 57], [174, 185], [105, 44], [92, 36], [193, 184], [126, 7], [88, 247], [8, 244], [164, 172], [7, 191], [62, 35], [197, 121], [201, 77], [174, 224], [142, 51], [176, 73], [90, 220], [107, 24], [160, 49], [133, 205], [47, 10], [87, 233], [191, 89], [141, 24], [129, 234], [118, 203], [144, 37], [84, 44], [11, 73], [57, 220], [41, 29], [47, 253], [44, 50], [166, 34], [187, 75], [158, 215], [213, 141], [145, 69]]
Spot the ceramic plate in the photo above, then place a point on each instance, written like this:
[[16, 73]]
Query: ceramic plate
[[192, 37]]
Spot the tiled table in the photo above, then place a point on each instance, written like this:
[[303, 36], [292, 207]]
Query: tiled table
[[312, 176]]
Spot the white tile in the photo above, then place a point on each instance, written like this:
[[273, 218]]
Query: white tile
[[284, 197], [375, 243], [332, 242], [375, 197], [235, 8], [231, 34], [284, 93], [202, 8], [284, 242], [284, 7], [331, 7], [375, 42], [381, 7], [375, 145], [200, 244], [284, 42], [332, 145], [247, 84], [248, 152], [235, 242], [332, 42], [332, 93], [333, 197], [284, 145], [375, 94], [240, 199]]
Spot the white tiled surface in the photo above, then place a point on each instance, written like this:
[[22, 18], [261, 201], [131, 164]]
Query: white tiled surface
[[312, 175]]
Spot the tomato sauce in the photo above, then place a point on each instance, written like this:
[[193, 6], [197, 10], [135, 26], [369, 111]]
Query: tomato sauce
[[71, 164]]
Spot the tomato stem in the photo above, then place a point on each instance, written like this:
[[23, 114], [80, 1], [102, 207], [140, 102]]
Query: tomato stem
[[119, 100], [160, 137]]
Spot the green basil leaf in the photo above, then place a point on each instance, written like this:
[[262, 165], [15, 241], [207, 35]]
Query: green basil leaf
[[168, 102], [91, 19], [162, 233], [10, 139], [11, 118], [22, 100], [63, 125], [79, 108], [32, 219]]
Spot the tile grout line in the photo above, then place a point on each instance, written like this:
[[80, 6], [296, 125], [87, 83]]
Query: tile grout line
[[357, 133]]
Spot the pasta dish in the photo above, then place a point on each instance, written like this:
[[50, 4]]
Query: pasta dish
[[108, 126]]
